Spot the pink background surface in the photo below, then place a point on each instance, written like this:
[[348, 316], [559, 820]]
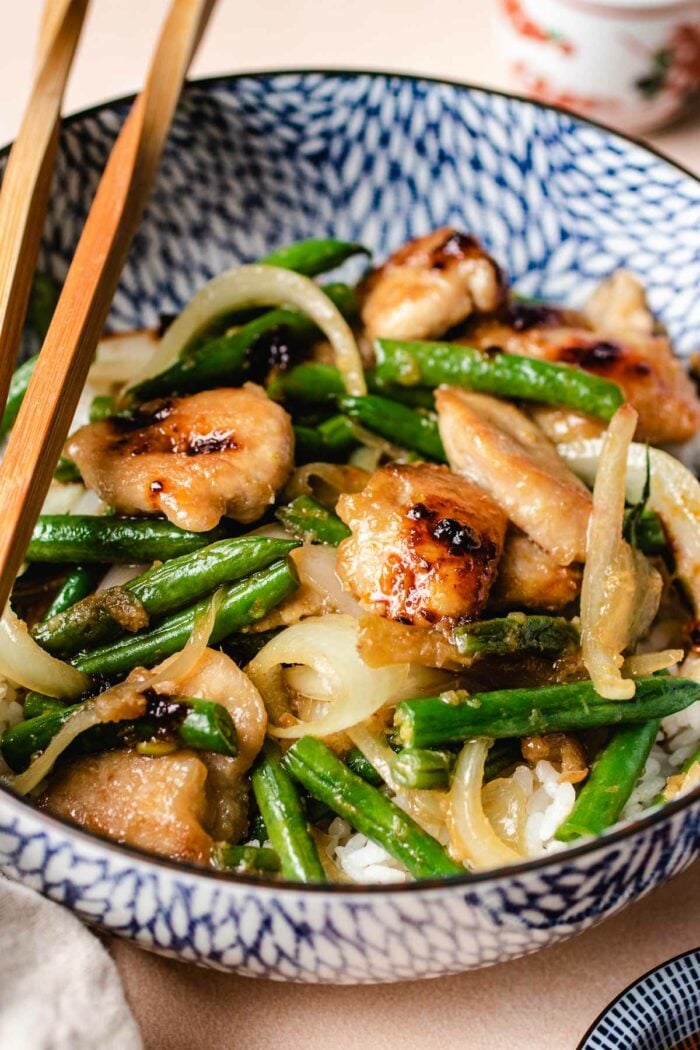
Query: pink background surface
[[546, 1001]]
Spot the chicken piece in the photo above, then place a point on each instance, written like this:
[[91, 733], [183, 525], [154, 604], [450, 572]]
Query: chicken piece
[[172, 804], [157, 804], [651, 377], [619, 307], [430, 285], [563, 424], [497, 447], [425, 545], [192, 459], [529, 578]]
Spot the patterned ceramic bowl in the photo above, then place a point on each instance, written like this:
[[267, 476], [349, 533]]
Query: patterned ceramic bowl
[[633, 63], [662, 1008], [254, 162]]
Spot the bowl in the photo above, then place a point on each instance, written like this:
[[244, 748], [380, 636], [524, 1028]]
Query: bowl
[[661, 1008], [254, 162]]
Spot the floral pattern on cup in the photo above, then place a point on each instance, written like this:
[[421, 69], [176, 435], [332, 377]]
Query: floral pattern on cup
[[631, 64]]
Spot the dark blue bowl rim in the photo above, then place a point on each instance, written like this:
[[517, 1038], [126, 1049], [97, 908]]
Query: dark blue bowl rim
[[630, 988], [589, 846]]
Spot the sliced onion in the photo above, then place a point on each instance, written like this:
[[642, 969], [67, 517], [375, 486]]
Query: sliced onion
[[62, 498], [122, 701], [674, 495], [380, 446], [85, 718], [334, 480], [608, 590], [504, 802], [382, 641], [247, 286], [25, 663], [316, 564], [328, 646], [122, 355], [426, 807], [649, 663], [472, 837]]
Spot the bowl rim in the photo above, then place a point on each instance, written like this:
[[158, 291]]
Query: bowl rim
[[458, 882], [630, 988]]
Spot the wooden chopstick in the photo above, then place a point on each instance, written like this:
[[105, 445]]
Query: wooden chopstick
[[38, 435], [27, 181]]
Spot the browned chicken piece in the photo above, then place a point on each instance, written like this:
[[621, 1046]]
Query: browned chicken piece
[[651, 377], [218, 678], [430, 285], [425, 545], [619, 307], [172, 804], [496, 446], [193, 459], [563, 424], [529, 578], [562, 749], [157, 804]]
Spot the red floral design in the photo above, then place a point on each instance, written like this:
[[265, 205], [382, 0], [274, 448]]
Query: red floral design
[[538, 87], [675, 68], [524, 25]]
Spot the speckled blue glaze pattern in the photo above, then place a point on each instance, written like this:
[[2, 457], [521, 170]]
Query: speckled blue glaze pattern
[[659, 1010], [257, 162], [341, 937]]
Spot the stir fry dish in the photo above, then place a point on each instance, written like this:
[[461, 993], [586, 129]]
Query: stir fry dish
[[364, 584]]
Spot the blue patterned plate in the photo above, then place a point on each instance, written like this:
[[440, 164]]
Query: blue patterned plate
[[659, 1011], [252, 163]]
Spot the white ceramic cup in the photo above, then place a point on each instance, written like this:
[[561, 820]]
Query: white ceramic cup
[[629, 63]]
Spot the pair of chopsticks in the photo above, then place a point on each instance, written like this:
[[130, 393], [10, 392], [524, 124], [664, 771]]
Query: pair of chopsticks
[[41, 427]]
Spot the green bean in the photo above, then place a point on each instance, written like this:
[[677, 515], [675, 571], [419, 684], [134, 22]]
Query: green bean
[[86, 539], [241, 604], [42, 303], [514, 634], [103, 406], [245, 860], [330, 441], [416, 767], [611, 782], [362, 767], [282, 810], [310, 521], [43, 298], [15, 396], [67, 471], [314, 257], [229, 359], [505, 375], [455, 716], [325, 777], [649, 533], [36, 704], [314, 383], [399, 424], [311, 383], [196, 723], [161, 590], [79, 582]]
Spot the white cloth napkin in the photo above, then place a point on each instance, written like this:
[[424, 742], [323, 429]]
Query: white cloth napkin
[[59, 988]]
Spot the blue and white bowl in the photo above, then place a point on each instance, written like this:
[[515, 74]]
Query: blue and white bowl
[[255, 162], [660, 1009]]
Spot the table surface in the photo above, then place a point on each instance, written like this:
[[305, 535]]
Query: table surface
[[543, 1002]]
